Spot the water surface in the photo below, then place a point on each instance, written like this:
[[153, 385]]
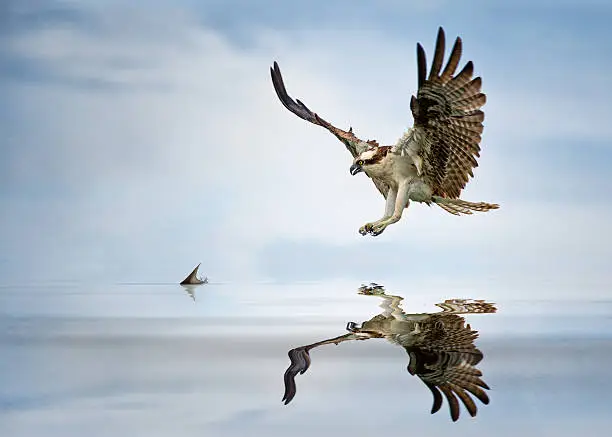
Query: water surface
[[160, 359]]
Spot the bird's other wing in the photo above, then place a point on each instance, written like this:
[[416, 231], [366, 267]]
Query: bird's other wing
[[352, 143], [466, 306], [300, 362], [447, 119], [445, 361]]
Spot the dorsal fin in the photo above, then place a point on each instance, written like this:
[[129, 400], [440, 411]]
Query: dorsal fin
[[192, 278]]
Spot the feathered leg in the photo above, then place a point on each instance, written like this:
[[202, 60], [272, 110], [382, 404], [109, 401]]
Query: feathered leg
[[389, 210], [401, 202]]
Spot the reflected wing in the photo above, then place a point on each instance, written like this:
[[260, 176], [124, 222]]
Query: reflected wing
[[467, 306], [353, 144], [445, 361], [300, 362], [447, 119]]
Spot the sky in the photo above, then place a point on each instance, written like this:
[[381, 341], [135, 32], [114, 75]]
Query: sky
[[139, 140]]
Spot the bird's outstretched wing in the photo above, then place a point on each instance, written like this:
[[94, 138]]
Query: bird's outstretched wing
[[300, 361], [445, 361], [352, 143], [447, 119]]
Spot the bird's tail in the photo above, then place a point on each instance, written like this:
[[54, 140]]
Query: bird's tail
[[458, 206]]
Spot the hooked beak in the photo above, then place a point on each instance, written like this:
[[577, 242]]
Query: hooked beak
[[355, 168]]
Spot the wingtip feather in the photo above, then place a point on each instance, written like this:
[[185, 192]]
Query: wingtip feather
[[421, 65], [438, 58], [440, 32], [453, 60]]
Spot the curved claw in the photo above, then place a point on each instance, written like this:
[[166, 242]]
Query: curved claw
[[378, 229], [366, 229]]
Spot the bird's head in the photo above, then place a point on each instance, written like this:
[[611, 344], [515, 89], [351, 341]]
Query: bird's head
[[361, 162]]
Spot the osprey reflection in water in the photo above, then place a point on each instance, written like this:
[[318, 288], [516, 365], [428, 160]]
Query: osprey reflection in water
[[440, 347], [433, 160]]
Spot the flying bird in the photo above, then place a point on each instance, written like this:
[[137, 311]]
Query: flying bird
[[440, 347], [433, 160]]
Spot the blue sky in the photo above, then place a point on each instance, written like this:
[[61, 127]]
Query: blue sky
[[139, 140]]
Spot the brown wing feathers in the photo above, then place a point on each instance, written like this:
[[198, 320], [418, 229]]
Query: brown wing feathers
[[438, 57], [448, 108], [445, 361], [453, 61]]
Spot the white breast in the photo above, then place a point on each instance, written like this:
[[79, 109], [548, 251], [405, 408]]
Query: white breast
[[392, 169]]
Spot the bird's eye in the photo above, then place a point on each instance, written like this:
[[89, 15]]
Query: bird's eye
[[360, 162]]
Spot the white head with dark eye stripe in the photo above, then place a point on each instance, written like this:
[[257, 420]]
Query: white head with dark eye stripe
[[367, 158]]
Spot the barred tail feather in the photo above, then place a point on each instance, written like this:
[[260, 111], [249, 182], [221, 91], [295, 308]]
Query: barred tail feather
[[458, 206]]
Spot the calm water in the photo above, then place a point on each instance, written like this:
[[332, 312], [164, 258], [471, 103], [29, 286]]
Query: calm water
[[162, 360]]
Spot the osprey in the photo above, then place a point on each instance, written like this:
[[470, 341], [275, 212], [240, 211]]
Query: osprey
[[433, 159]]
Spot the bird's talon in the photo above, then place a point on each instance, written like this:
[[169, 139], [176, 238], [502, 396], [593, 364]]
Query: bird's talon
[[366, 229], [378, 229]]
